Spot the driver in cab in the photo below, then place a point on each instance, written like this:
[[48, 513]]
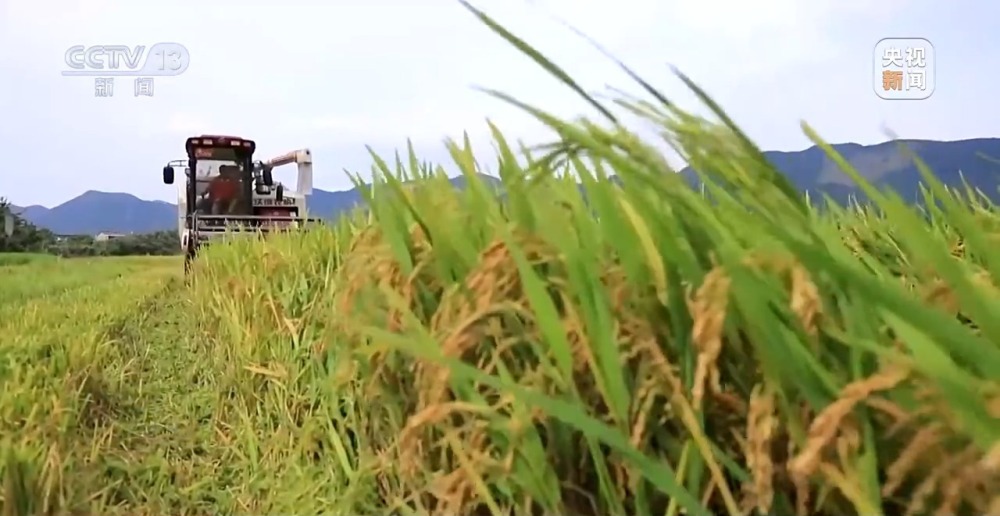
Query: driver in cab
[[224, 190]]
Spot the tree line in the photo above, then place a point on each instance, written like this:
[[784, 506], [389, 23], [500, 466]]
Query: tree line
[[28, 238]]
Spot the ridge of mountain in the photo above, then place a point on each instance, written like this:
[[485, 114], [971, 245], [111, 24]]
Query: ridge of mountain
[[810, 170], [889, 165], [94, 212]]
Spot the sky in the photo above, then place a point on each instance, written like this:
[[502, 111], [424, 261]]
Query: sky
[[337, 75]]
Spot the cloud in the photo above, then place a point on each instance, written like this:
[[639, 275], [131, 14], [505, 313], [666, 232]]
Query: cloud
[[339, 75]]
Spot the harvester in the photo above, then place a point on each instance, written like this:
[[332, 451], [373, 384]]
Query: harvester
[[225, 191]]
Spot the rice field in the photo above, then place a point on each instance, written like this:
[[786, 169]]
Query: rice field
[[637, 347], [10, 259]]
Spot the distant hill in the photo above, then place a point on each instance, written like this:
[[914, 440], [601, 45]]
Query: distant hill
[[29, 212], [808, 170], [885, 166], [95, 212]]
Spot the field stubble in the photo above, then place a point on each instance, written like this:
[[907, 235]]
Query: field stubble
[[641, 349]]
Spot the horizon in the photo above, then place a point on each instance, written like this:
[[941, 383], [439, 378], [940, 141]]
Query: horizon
[[454, 175], [342, 75]]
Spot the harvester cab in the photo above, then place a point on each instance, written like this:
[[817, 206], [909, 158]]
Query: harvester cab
[[224, 190]]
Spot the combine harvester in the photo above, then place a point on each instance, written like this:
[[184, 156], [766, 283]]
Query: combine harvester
[[225, 190]]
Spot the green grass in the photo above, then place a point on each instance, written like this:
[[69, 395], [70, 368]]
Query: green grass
[[657, 351], [12, 259]]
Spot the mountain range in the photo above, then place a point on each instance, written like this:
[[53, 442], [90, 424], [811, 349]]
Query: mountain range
[[809, 170]]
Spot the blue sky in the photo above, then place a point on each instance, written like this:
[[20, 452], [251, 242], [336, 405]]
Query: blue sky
[[336, 75]]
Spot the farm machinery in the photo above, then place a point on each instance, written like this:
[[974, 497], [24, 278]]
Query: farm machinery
[[225, 191]]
